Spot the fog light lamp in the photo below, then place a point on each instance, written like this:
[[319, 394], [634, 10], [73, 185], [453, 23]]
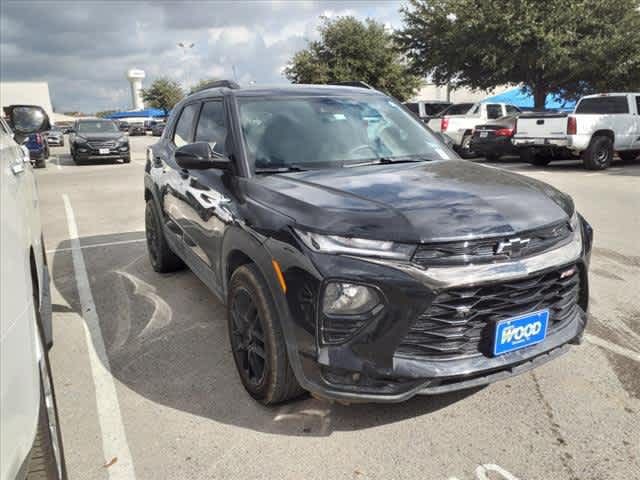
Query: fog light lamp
[[348, 299]]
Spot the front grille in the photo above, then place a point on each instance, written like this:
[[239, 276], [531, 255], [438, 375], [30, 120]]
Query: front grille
[[461, 321], [105, 144], [487, 250]]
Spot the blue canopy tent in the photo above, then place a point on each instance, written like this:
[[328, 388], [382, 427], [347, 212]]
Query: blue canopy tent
[[524, 99], [146, 113]]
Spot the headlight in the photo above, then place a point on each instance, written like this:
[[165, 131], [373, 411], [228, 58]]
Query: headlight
[[79, 139], [122, 139], [355, 246], [574, 223], [348, 299]]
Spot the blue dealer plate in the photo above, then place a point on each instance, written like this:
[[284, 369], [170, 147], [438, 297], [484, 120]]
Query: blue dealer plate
[[519, 332]]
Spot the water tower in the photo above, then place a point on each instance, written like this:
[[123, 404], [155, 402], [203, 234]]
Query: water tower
[[135, 78]]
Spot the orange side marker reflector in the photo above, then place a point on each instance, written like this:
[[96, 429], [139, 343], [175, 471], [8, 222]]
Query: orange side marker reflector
[[276, 267]]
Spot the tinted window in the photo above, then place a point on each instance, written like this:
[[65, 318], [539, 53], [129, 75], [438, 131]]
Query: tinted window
[[331, 132], [211, 126], [494, 111], [414, 107], [511, 110], [104, 126], [638, 104], [431, 109], [458, 109], [182, 135], [603, 105]]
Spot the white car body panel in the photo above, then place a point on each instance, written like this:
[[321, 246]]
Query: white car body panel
[[19, 351]]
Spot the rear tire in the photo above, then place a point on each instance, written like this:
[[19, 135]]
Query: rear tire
[[162, 258], [599, 154], [257, 341], [492, 157], [465, 147]]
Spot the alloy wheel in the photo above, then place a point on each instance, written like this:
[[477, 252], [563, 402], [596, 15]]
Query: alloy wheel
[[247, 338]]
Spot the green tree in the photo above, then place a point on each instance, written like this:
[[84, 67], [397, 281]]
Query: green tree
[[163, 93], [351, 50], [201, 83], [551, 47]]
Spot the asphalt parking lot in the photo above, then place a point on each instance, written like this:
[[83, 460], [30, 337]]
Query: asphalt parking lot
[[147, 387]]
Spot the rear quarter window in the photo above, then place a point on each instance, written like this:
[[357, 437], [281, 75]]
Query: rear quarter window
[[603, 105]]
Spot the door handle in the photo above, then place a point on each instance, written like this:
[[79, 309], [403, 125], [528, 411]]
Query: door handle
[[17, 167]]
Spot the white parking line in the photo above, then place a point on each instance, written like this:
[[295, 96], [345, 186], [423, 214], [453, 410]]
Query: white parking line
[[114, 439], [106, 244], [625, 352]]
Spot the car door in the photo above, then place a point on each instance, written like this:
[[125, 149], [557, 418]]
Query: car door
[[206, 192], [19, 381]]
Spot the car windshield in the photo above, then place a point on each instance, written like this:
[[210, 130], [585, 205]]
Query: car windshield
[[308, 132], [97, 127]]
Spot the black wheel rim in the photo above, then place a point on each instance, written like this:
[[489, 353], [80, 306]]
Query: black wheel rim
[[602, 156], [247, 338], [152, 235]]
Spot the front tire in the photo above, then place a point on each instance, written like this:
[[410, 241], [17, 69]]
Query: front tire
[[162, 258], [257, 341], [599, 154]]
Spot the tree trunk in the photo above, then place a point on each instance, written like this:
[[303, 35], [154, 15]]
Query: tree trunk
[[539, 96]]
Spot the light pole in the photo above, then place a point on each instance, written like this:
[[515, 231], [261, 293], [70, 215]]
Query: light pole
[[185, 46]]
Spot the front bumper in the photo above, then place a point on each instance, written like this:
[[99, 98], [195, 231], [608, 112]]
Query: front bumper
[[367, 366], [86, 152]]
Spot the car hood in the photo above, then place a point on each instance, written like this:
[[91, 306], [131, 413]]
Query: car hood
[[101, 136], [413, 202]]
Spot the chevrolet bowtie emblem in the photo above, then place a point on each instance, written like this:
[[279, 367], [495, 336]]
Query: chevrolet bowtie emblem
[[513, 247]]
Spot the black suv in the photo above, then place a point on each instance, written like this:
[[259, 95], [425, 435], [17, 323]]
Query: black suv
[[358, 257], [98, 139]]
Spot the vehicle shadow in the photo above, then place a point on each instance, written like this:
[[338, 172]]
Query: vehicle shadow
[[166, 339], [64, 160]]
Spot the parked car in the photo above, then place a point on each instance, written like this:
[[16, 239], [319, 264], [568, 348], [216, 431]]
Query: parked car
[[98, 139], [136, 129], [38, 148], [460, 127], [357, 256], [427, 109], [123, 126], [157, 129], [599, 126], [30, 439], [493, 139], [55, 137]]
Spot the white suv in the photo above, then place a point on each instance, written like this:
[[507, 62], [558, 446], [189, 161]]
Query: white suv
[[30, 440]]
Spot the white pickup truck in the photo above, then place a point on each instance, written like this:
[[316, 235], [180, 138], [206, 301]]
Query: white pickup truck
[[460, 127], [599, 126]]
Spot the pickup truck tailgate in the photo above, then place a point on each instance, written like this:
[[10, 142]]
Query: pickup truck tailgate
[[542, 125]]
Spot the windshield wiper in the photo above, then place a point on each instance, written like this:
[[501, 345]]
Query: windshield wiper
[[389, 160], [284, 169]]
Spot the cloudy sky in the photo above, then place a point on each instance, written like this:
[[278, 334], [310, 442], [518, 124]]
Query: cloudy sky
[[84, 48]]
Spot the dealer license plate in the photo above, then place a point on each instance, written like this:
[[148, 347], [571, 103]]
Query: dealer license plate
[[519, 332]]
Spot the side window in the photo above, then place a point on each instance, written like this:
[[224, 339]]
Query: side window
[[211, 126], [638, 104], [494, 111], [414, 107], [511, 110], [182, 134]]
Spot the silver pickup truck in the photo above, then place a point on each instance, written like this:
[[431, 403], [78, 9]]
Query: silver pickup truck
[[599, 126]]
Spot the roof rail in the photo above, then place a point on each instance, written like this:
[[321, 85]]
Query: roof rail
[[356, 83], [218, 84]]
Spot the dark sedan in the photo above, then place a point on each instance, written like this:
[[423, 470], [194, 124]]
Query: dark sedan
[[493, 140], [157, 129]]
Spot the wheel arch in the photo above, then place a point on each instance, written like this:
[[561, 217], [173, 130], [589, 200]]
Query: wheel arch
[[604, 133]]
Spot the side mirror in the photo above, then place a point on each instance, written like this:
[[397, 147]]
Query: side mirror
[[200, 156], [27, 119]]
